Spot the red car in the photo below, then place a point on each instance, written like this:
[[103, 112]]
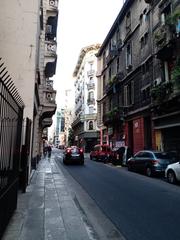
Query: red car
[[101, 153], [73, 154]]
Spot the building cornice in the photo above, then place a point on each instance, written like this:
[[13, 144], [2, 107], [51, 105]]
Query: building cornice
[[82, 54]]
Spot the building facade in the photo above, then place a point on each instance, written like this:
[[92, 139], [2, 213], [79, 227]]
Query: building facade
[[85, 116], [129, 67], [68, 114], [28, 47], [59, 129], [166, 88]]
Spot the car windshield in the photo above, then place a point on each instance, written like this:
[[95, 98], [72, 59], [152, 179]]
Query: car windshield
[[74, 149], [162, 155]]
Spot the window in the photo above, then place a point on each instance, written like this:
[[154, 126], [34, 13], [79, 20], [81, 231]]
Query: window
[[129, 94], [165, 13], [110, 104], [104, 84], [144, 40], [91, 80], [146, 68], [91, 95], [145, 93], [109, 73], [141, 18], [91, 127], [91, 110], [128, 22], [128, 55], [117, 65]]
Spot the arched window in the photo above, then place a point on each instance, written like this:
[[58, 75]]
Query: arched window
[[90, 125]]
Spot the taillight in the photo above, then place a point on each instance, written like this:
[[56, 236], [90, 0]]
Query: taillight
[[68, 150], [154, 161], [81, 150]]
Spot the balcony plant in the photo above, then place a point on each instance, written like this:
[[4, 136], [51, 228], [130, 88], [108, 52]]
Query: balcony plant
[[162, 91], [160, 36], [175, 75], [172, 21]]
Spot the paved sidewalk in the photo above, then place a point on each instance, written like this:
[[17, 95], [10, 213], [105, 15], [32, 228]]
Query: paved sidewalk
[[46, 211]]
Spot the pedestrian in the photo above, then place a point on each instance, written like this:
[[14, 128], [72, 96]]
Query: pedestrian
[[49, 149], [45, 148]]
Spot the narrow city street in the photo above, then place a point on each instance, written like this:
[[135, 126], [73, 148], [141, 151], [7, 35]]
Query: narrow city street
[[141, 208]]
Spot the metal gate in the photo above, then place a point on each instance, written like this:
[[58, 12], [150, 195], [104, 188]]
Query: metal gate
[[11, 118]]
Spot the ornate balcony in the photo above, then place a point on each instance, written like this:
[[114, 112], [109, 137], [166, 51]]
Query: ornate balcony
[[47, 122], [161, 92], [90, 86], [115, 115], [90, 73], [50, 48], [111, 55], [91, 101], [48, 103], [53, 5]]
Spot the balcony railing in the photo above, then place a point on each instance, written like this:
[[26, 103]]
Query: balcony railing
[[161, 92], [112, 53], [114, 115], [90, 86], [50, 48], [91, 101], [49, 84], [90, 73], [53, 4]]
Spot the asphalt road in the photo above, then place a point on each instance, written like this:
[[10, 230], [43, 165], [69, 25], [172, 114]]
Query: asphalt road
[[141, 208]]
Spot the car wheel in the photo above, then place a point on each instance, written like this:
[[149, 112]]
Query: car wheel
[[171, 178], [148, 171]]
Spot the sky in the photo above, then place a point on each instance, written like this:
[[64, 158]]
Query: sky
[[80, 23]]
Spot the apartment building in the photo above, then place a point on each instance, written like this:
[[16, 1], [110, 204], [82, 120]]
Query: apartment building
[[84, 123], [129, 67], [166, 85], [68, 114], [28, 48], [59, 127], [28, 55]]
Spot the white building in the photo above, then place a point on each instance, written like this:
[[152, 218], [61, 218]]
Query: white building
[[85, 112], [68, 113]]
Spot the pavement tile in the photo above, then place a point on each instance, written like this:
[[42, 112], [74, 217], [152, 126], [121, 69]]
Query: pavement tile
[[47, 210]]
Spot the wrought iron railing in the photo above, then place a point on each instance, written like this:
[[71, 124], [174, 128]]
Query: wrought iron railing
[[11, 118]]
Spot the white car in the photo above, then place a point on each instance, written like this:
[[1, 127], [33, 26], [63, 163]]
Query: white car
[[172, 172]]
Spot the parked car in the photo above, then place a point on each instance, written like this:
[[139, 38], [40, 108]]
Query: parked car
[[73, 154], [120, 155], [101, 153], [172, 172], [149, 162]]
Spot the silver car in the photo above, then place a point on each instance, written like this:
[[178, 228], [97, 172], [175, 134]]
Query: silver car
[[172, 172]]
